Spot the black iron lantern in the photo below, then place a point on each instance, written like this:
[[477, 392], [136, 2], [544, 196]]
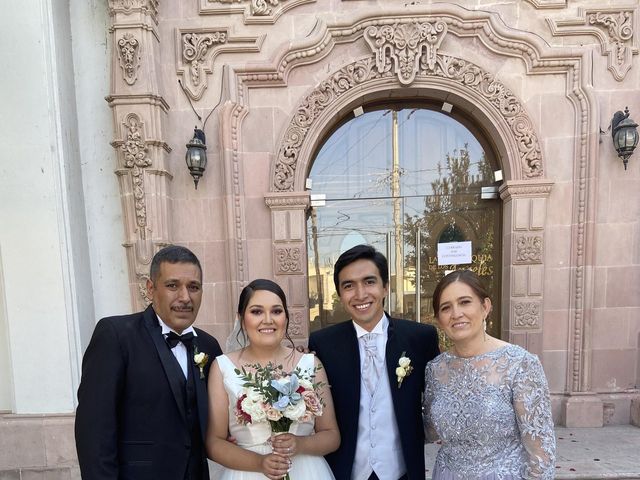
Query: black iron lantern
[[196, 156], [625, 135]]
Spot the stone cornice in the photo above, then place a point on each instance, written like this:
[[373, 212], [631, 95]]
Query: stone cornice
[[287, 200], [529, 188], [120, 9], [138, 99]]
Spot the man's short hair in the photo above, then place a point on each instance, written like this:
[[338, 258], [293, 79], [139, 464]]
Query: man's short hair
[[360, 252], [172, 254]]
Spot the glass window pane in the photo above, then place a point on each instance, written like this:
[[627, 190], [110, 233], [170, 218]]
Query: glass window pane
[[441, 169]]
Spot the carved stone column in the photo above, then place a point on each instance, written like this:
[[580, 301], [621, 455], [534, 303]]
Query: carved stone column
[[288, 218], [139, 113], [525, 211]]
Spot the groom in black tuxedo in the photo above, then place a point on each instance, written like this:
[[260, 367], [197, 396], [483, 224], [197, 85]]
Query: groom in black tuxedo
[[142, 401], [377, 398]]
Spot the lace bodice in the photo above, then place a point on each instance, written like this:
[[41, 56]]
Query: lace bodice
[[258, 433], [492, 413]]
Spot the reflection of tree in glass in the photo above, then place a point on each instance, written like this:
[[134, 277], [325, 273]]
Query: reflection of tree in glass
[[453, 213]]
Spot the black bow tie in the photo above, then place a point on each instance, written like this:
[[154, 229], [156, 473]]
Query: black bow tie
[[173, 338]]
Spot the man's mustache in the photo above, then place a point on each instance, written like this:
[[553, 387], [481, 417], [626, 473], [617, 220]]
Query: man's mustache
[[182, 308]]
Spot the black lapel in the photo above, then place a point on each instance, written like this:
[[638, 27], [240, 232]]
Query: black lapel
[[393, 352], [347, 347], [201, 391], [172, 369]]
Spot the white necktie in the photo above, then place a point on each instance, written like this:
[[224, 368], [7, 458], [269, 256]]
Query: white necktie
[[371, 367]]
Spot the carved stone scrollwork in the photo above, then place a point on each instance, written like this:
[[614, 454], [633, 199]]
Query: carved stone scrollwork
[[195, 48], [295, 326], [408, 46], [620, 28], [526, 315], [529, 249], [136, 159], [256, 7], [129, 57], [454, 69], [142, 289], [614, 28], [288, 260]]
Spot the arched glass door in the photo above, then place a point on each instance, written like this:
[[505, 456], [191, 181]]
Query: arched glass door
[[408, 181]]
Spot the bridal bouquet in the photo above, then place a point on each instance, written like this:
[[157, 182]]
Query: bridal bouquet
[[273, 395]]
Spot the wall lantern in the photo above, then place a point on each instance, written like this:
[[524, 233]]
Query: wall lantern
[[625, 134], [196, 156]]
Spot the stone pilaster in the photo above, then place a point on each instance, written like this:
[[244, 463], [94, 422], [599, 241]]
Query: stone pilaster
[[288, 218], [139, 114], [525, 207]]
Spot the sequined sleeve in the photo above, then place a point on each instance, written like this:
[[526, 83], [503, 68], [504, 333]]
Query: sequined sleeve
[[533, 413], [429, 432]]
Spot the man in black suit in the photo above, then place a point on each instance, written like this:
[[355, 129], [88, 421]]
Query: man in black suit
[[377, 397], [142, 401]]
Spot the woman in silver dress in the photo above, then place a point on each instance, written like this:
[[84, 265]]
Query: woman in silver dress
[[486, 399]]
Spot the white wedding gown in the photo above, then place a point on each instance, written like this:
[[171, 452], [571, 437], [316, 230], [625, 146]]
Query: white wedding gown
[[254, 436]]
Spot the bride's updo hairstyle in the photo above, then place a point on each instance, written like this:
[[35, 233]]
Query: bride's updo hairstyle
[[465, 276], [245, 298]]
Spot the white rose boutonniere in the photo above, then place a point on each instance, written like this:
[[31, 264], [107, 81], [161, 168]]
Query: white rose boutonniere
[[200, 359], [404, 368]]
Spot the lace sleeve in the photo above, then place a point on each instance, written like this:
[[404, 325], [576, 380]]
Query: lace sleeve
[[533, 413], [429, 432]]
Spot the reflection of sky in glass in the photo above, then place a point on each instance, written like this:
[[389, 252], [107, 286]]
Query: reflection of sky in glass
[[356, 161]]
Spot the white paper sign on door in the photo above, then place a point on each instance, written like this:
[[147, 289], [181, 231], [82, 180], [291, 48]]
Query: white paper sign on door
[[454, 253]]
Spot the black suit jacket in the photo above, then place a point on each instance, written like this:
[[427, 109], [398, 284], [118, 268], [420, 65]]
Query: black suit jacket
[[337, 348], [131, 421]]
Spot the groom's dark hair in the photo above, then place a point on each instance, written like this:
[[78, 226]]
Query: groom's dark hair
[[172, 254], [361, 252]]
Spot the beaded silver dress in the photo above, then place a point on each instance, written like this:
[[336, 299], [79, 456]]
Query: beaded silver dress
[[493, 415]]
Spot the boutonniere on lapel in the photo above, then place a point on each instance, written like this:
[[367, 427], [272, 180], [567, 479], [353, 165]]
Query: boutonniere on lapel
[[404, 368], [200, 359]]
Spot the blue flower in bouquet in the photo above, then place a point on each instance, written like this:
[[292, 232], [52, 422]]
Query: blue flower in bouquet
[[288, 390]]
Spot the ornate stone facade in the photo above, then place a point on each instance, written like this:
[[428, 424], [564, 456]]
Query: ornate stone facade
[[307, 68], [536, 82]]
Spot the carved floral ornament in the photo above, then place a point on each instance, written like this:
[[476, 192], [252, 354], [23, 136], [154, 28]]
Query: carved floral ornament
[[529, 249], [129, 57], [136, 160], [453, 69], [527, 314], [289, 260], [408, 46]]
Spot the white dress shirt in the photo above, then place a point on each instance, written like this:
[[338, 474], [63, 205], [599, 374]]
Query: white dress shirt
[[378, 446], [179, 351]]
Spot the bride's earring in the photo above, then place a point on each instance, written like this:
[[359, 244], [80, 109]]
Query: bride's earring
[[484, 325]]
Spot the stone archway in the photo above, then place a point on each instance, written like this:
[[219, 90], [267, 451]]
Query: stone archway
[[461, 82], [524, 195]]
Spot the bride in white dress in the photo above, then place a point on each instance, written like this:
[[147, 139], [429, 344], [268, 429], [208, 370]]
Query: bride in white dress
[[256, 453]]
